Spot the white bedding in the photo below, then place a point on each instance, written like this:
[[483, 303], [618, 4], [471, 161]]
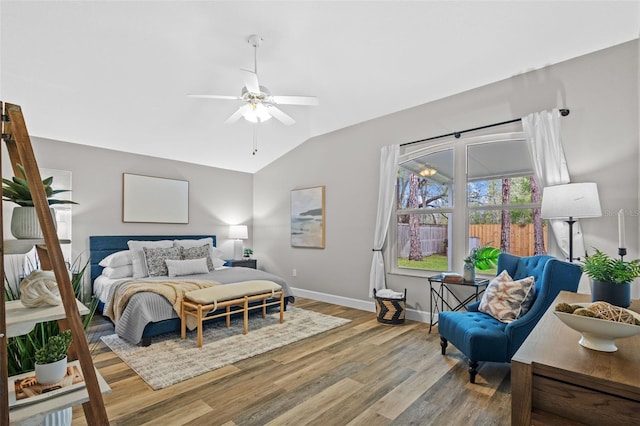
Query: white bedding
[[148, 307], [102, 285]]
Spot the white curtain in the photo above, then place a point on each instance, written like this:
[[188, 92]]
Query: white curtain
[[388, 172], [542, 130]]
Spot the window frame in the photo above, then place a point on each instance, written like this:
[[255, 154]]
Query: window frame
[[460, 210]]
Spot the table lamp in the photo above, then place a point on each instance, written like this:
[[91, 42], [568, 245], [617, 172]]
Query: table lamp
[[569, 202], [239, 233]]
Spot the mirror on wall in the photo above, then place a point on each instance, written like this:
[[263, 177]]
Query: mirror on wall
[[154, 199], [20, 255]]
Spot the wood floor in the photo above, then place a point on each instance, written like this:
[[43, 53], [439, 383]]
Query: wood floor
[[363, 373]]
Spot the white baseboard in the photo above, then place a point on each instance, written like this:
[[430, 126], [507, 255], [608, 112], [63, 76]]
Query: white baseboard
[[369, 306]]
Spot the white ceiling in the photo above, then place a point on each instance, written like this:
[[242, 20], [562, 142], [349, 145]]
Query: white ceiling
[[115, 74]]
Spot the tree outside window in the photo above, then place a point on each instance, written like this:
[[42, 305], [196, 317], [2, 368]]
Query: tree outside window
[[502, 206]]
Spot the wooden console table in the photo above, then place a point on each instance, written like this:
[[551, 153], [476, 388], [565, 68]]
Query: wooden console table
[[554, 380]]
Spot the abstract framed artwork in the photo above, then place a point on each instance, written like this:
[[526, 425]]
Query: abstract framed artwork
[[308, 217]]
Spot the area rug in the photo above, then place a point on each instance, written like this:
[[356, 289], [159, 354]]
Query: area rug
[[170, 360]]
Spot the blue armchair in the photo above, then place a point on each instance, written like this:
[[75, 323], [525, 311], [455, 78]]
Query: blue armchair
[[480, 337]]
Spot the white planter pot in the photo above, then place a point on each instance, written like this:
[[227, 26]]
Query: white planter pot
[[58, 418], [48, 374], [469, 272], [25, 224]]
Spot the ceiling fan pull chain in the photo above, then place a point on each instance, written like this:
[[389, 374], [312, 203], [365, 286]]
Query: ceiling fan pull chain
[[255, 139]]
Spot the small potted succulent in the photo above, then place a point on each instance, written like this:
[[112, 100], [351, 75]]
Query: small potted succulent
[[611, 278], [24, 221], [248, 252], [51, 358], [483, 258]]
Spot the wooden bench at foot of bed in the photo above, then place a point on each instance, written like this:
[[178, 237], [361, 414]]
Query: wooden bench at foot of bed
[[198, 303]]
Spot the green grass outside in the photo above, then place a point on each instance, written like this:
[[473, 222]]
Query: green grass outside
[[436, 262]]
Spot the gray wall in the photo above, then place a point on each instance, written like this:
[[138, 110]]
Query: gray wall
[[601, 144], [600, 138], [217, 197]]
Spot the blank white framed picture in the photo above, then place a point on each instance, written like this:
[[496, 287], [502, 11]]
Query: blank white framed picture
[[148, 199]]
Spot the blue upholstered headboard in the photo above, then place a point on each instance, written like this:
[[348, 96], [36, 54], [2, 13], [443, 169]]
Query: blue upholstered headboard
[[101, 246]]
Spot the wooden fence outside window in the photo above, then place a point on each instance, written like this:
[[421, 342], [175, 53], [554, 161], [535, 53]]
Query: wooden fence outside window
[[433, 238]]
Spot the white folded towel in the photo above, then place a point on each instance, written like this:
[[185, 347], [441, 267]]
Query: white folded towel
[[387, 293]]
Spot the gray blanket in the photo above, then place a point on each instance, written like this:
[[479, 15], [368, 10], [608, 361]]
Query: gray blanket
[[144, 308]]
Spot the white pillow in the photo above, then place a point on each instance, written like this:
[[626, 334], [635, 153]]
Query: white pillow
[[119, 258], [217, 262], [125, 271], [187, 267], [137, 255], [216, 254]]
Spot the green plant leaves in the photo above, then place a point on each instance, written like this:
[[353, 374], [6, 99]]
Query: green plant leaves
[[17, 190], [487, 258], [484, 257], [55, 349], [21, 350], [601, 267]]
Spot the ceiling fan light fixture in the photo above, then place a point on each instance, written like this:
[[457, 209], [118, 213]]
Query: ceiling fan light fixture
[[258, 113], [258, 104], [428, 171]]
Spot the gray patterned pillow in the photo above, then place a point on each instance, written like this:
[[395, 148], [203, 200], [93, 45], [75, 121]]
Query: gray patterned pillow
[[155, 259], [198, 253], [507, 300]]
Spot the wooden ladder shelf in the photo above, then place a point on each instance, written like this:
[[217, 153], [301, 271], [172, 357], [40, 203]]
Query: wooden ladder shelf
[[16, 138]]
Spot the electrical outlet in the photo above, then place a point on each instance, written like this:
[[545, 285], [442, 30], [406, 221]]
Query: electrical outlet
[[294, 273]]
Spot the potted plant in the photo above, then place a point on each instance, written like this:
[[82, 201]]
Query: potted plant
[[51, 358], [21, 349], [611, 278], [248, 252], [24, 221], [483, 258]]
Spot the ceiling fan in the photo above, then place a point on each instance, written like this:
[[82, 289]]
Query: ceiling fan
[[259, 104]]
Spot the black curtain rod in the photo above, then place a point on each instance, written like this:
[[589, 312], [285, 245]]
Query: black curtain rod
[[563, 112]]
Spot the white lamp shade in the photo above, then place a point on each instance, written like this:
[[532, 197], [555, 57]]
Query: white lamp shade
[[258, 113], [238, 232], [576, 200]]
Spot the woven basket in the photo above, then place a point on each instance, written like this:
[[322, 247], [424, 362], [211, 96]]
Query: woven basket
[[390, 311]]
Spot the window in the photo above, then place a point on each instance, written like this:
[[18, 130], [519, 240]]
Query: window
[[462, 194], [424, 207], [61, 181]]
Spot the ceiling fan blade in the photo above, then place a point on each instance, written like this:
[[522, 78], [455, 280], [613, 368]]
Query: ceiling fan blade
[[238, 114], [295, 100], [234, 98], [251, 81], [280, 115]]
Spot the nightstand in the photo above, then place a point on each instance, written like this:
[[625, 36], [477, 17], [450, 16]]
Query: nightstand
[[247, 263]]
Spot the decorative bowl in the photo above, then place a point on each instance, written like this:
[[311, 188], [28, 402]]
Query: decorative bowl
[[599, 334]]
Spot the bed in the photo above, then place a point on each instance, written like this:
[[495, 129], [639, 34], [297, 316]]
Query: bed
[[148, 314]]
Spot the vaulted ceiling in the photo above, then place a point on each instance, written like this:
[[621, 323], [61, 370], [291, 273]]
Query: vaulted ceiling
[[115, 74]]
